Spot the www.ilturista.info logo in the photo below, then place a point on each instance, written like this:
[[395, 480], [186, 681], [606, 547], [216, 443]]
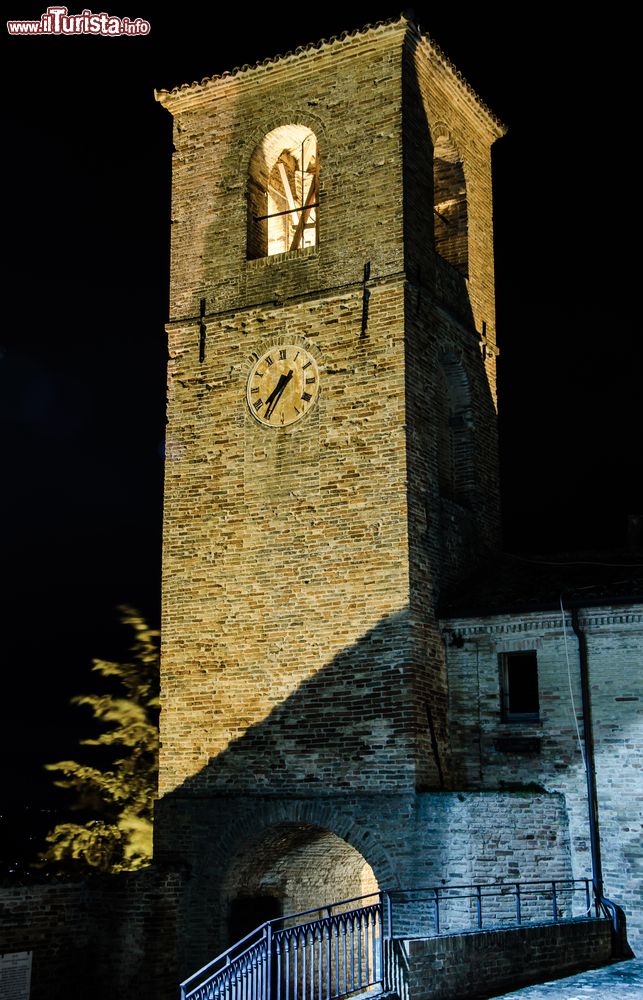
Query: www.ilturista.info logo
[[57, 21]]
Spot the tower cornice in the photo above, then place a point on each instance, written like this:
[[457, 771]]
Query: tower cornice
[[187, 96]]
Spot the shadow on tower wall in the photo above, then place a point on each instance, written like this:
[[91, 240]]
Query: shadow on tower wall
[[348, 727], [338, 754]]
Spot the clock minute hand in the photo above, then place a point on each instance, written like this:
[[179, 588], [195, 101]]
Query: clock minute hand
[[275, 395]]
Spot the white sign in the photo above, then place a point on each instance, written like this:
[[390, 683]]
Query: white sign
[[15, 975]]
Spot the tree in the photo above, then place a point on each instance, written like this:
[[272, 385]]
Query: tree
[[116, 797]]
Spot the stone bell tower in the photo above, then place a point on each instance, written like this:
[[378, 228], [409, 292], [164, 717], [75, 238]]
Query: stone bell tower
[[331, 456]]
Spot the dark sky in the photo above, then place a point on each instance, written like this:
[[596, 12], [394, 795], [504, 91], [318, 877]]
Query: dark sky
[[83, 348]]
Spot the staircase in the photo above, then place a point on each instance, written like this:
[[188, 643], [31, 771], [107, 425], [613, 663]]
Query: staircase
[[324, 954], [358, 948]]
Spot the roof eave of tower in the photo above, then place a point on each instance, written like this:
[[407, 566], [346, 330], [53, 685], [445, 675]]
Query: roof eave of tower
[[190, 95], [496, 126]]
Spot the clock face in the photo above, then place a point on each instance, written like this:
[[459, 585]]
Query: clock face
[[282, 385]]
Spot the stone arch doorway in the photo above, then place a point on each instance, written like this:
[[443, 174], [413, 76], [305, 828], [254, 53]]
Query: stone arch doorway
[[291, 868]]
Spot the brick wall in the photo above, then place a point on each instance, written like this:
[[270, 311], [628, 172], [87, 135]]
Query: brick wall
[[52, 922], [349, 95], [301, 564], [483, 758], [475, 965], [438, 109], [106, 936], [285, 648], [407, 840]]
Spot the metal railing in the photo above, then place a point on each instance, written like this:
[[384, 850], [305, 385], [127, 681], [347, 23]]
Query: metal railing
[[336, 954], [396, 967], [429, 910], [344, 949]]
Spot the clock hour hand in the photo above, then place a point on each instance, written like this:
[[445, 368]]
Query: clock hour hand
[[275, 395]]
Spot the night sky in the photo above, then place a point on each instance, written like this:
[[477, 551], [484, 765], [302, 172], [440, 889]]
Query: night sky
[[82, 376]]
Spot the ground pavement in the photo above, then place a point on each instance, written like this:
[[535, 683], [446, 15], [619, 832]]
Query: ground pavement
[[622, 981]]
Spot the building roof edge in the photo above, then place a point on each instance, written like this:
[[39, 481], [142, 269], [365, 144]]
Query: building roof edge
[[186, 93]]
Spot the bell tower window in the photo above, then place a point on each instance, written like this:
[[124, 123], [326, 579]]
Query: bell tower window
[[450, 205], [283, 187]]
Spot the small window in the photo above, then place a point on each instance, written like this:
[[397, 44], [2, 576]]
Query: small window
[[283, 187], [519, 687]]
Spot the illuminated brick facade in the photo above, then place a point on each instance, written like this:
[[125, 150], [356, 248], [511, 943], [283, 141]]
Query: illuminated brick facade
[[316, 509], [548, 750], [332, 223], [301, 563]]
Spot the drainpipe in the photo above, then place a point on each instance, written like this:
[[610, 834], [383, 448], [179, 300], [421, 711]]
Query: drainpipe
[[620, 946], [590, 769]]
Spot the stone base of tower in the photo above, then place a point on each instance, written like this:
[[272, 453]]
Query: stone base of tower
[[225, 864], [253, 858]]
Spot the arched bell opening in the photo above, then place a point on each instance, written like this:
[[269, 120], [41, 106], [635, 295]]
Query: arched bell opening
[[283, 192], [450, 205]]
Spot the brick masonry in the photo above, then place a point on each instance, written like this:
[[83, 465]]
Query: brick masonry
[[615, 652], [304, 688], [406, 840], [480, 965], [300, 564], [304, 682], [104, 937]]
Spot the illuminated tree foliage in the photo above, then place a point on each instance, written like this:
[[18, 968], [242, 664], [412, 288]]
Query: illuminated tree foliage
[[118, 796]]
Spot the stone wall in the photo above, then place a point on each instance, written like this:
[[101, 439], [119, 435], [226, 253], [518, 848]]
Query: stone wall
[[490, 962], [106, 936], [407, 840], [488, 752]]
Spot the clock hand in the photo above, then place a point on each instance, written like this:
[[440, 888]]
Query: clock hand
[[275, 395]]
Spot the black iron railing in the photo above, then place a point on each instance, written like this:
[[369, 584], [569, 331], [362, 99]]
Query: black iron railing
[[447, 909], [334, 953], [348, 947]]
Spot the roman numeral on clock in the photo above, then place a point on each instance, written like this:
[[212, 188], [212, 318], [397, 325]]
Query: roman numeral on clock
[[306, 397], [258, 404], [282, 355]]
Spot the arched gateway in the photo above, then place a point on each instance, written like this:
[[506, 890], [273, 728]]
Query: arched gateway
[[288, 869]]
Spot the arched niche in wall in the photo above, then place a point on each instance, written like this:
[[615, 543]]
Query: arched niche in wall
[[454, 430]]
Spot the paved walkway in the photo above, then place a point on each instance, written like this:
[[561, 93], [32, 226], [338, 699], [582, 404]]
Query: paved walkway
[[623, 981]]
